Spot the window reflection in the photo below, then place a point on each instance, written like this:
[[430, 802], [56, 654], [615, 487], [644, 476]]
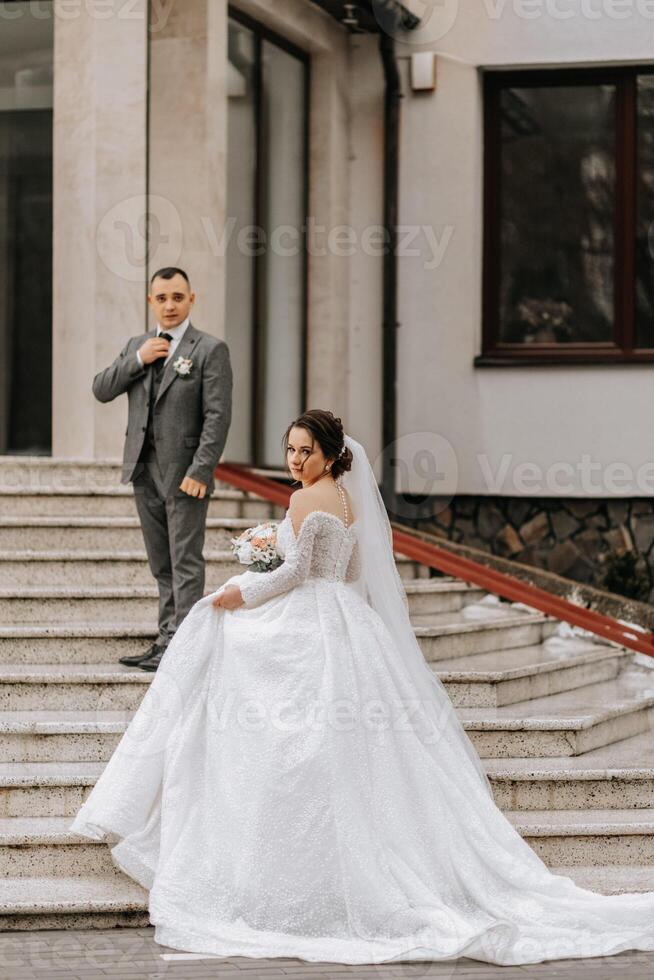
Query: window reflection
[[557, 178], [266, 187], [26, 46], [645, 212]]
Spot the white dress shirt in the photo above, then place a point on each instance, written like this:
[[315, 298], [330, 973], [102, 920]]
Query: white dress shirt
[[175, 332]]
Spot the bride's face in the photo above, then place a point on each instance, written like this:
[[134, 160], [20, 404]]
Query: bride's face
[[304, 457]]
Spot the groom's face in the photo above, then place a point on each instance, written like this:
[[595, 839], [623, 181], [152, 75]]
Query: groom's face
[[171, 300]]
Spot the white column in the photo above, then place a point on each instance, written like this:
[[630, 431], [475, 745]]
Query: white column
[[99, 266], [188, 140]]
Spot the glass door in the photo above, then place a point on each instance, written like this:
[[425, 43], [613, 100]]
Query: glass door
[[26, 50], [266, 229]]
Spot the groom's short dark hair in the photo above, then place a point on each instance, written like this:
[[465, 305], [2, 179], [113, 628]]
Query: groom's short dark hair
[[168, 272]]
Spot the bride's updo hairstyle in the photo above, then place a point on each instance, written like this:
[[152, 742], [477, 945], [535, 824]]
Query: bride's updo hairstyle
[[327, 430]]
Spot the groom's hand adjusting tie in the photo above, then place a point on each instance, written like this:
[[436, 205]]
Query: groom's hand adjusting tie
[[154, 350]]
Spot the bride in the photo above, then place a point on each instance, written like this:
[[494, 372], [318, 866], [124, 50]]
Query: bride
[[296, 782]]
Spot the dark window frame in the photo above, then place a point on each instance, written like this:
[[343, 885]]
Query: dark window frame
[[262, 33], [623, 349], [28, 396]]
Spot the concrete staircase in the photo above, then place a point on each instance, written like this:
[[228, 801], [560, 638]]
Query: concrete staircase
[[564, 725]]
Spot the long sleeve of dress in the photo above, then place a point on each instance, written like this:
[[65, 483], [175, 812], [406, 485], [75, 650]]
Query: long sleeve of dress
[[260, 586], [353, 571]]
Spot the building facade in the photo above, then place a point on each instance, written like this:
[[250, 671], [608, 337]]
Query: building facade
[[247, 142]]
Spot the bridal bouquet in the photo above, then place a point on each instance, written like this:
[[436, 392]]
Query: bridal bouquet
[[256, 547]]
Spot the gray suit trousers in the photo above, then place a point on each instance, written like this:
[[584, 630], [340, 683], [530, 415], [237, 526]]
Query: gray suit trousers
[[173, 530]]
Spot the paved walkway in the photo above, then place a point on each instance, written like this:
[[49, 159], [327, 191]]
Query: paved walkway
[[132, 954]]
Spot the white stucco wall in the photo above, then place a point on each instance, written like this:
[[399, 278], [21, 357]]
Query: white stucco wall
[[575, 424]]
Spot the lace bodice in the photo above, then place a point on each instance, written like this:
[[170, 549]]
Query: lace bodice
[[324, 548]]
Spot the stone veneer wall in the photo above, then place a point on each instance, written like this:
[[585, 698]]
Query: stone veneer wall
[[571, 537]]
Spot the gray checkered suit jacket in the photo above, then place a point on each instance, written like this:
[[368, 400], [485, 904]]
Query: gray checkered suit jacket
[[191, 413]]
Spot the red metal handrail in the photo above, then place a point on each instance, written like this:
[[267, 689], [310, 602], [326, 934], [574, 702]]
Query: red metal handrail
[[466, 569]]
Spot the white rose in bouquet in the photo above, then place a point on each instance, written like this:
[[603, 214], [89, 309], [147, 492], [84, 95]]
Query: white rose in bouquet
[[256, 547]]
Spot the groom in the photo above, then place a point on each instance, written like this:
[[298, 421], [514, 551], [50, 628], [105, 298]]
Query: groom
[[179, 385]]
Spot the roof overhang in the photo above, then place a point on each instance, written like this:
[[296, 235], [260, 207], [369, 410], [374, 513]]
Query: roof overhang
[[370, 16]]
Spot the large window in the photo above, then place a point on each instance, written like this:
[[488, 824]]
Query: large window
[[26, 45], [569, 216], [266, 251]]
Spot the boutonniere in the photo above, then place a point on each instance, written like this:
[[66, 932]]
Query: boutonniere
[[183, 365]]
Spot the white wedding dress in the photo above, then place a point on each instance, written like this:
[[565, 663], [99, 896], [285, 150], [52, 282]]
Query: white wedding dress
[[279, 794]]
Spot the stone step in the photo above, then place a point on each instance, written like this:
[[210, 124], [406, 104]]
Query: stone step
[[80, 644], [71, 687], [40, 844], [69, 535], [100, 641], [588, 837], [30, 570], [74, 902], [16, 468], [79, 606], [138, 603], [49, 789], [521, 673], [56, 754], [45, 846], [107, 901], [64, 735], [33, 474], [84, 661], [429, 594], [118, 501], [451, 635], [68, 569], [568, 723], [111, 685], [613, 776], [610, 879]]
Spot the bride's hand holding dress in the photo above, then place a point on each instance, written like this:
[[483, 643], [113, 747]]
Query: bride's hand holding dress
[[229, 597]]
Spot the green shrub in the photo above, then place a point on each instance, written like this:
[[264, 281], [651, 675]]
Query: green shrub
[[623, 576]]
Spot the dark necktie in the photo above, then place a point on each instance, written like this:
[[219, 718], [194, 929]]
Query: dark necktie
[[159, 363]]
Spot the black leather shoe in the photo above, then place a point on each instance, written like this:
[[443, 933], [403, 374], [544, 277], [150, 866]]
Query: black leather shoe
[[137, 658], [151, 663]]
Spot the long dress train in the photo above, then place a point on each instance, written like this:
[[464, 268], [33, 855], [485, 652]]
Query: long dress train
[[280, 793]]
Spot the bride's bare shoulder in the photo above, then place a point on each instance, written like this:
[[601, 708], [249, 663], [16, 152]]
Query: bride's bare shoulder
[[323, 497]]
